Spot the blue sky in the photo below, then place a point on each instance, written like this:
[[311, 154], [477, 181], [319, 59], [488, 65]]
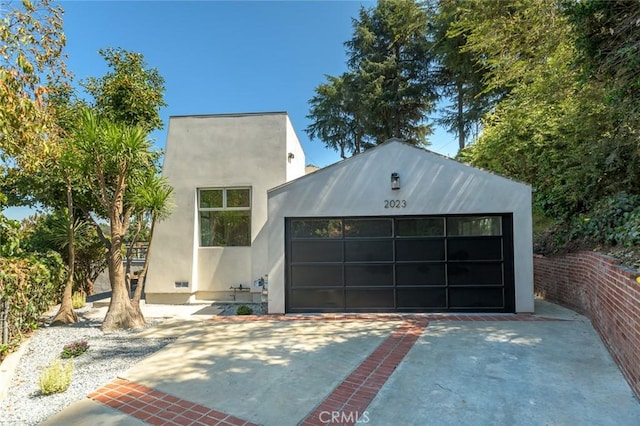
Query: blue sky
[[224, 56]]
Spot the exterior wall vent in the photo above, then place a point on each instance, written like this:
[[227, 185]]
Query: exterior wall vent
[[181, 284]]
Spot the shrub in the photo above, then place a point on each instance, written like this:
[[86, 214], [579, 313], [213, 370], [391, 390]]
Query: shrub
[[79, 299], [244, 310], [29, 282], [56, 377], [74, 349], [614, 220]]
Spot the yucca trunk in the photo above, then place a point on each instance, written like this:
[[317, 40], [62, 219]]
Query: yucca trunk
[[121, 314]]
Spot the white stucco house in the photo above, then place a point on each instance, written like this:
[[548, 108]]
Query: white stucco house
[[220, 167], [394, 229]]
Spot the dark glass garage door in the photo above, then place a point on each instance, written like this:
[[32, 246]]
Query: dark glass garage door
[[406, 263]]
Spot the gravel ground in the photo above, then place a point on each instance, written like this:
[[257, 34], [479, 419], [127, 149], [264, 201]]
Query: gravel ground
[[108, 356], [230, 309]]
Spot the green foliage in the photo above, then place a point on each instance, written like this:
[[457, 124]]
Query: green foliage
[[459, 73], [131, 94], [79, 299], [74, 349], [244, 310], [31, 60], [56, 377], [9, 237], [387, 91], [614, 221], [555, 126], [30, 282], [49, 232], [608, 40]]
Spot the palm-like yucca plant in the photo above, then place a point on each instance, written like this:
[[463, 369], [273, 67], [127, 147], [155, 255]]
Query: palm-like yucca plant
[[153, 198], [115, 158]]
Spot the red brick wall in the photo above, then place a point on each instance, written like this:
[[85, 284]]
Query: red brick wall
[[608, 294]]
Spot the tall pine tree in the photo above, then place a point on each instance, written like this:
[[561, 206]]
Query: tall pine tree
[[388, 90]]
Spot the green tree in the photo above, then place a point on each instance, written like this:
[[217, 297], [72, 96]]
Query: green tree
[[114, 158], [387, 91], [536, 131], [130, 93], [338, 115], [32, 63], [116, 161], [52, 182], [562, 125], [32, 72], [49, 232], [153, 199], [608, 45], [459, 74]]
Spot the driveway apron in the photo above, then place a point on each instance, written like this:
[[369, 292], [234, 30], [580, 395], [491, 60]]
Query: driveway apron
[[550, 368]]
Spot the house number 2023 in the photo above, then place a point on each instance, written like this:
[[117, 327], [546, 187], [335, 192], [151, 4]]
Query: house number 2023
[[395, 204]]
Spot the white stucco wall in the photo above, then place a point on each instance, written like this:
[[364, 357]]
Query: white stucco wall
[[231, 150], [430, 184]]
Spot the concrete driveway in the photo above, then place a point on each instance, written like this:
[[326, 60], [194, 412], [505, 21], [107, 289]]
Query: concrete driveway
[[545, 369]]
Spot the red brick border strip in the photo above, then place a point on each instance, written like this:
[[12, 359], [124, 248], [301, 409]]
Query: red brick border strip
[[348, 402], [158, 408]]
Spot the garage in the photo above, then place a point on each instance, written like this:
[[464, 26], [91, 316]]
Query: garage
[[398, 228], [400, 264]]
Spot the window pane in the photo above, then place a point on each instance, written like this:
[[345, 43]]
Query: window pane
[[368, 275], [316, 228], [419, 249], [420, 274], [316, 250], [225, 228], [368, 251], [316, 275], [488, 248], [477, 274], [238, 197], [355, 228], [423, 227], [474, 226], [476, 298], [418, 298], [211, 198], [370, 298]]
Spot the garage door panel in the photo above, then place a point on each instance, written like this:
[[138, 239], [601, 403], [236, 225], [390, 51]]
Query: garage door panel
[[420, 227], [316, 275], [370, 298], [368, 275], [368, 250], [317, 298], [418, 249], [365, 228], [405, 263], [486, 248], [469, 273], [474, 297], [316, 251], [423, 274], [316, 228], [416, 298]]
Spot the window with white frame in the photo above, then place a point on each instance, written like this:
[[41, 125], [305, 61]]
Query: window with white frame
[[225, 217]]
